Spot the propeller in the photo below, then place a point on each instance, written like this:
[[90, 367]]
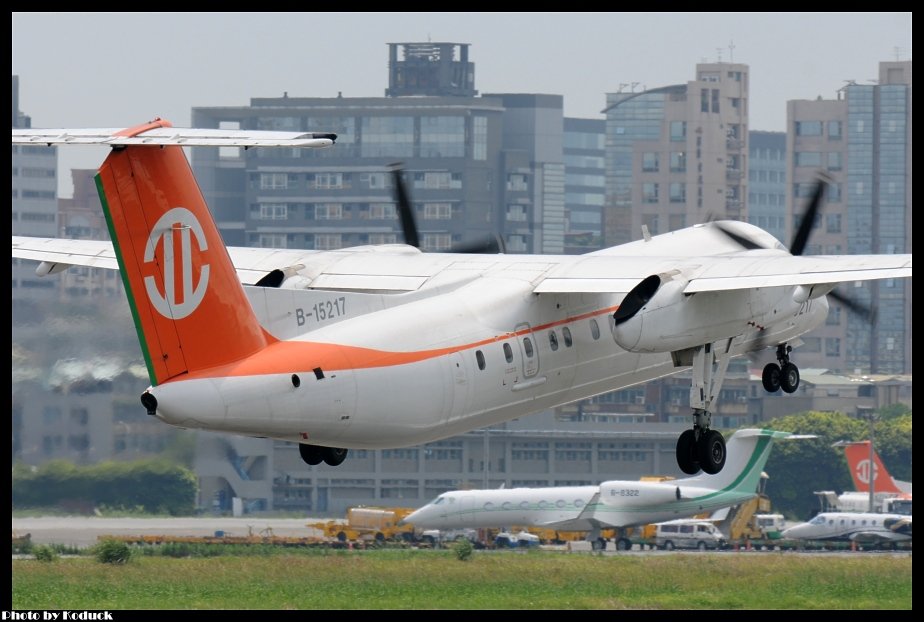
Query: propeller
[[491, 244], [800, 242]]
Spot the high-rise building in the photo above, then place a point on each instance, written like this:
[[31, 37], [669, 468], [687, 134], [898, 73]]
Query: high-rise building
[[585, 187], [35, 205], [862, 141], [767, 187], [474, 166], [677, 155]]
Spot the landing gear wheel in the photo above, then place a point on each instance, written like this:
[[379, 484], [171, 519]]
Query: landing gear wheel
[[789, 378], [771, 378], [687, 458], [711, 448], [623, 544], [311, 454], [334, 456]]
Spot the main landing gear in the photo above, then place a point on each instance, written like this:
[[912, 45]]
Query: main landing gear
[[784, 375], [702, 447], [312, 454]]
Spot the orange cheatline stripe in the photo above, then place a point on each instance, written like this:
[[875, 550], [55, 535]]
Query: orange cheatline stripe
[[284, 357]]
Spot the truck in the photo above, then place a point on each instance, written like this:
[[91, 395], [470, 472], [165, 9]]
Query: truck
[[369, 523]]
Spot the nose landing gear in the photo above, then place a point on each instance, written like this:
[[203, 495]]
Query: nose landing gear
[[784, 375]]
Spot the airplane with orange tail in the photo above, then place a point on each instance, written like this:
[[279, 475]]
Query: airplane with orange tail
[[386, 346], [858, 458]]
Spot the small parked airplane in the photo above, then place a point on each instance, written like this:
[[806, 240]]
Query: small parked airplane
[[868, 527], [385, 346], [616, 503]]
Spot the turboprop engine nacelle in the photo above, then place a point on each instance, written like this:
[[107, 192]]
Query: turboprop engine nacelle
[[656, 316]]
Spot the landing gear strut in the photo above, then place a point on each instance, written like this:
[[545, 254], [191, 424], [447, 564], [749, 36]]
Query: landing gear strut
[[784, 375], [702, 447]]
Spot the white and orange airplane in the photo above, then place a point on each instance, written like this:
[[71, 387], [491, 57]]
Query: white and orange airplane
[[858, 460], [386, 346]]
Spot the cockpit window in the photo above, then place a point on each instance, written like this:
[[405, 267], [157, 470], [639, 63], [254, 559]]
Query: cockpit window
[[818, 520], [439, 500]]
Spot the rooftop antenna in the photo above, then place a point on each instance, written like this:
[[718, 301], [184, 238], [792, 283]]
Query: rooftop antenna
[[731, 51], [898, 53], [718, 52], [635, 84]]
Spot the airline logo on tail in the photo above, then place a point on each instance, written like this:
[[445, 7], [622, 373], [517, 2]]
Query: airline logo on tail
[[862, 469], [178, 224]]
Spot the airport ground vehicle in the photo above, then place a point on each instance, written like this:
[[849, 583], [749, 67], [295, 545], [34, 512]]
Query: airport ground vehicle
[[688, 534], [364, 523]]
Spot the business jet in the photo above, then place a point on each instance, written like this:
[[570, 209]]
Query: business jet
[[612, 504], [386, 346], [860, 527]]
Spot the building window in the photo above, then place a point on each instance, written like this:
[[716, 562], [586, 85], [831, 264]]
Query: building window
[[832, 346], [328, 181], [678, 130], [437, 211], [517, 182], [650, 162], [678, 162], [274, 211], [480, 142], [835, 161], [715, 100], [328, 211], [436, 241], [382, 211], [387, 136], [274, 181], [271, 240], [516, 212], [808, 158], [834, 130], [833, 223], [442, 137], [808, 128], [649, 193], [382, 238], [328, 241], [678, 192], [704, 100]]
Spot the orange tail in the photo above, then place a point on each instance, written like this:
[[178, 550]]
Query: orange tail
[[190, 310], [858, 459]]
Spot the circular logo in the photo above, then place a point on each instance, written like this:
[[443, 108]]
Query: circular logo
[[178, 299], [862, 471]]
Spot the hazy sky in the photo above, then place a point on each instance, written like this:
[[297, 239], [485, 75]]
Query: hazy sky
[[111, 69]]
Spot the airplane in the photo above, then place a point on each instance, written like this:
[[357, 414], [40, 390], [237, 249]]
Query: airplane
[[889, 494], [860, 527], [611, 504], [386, 346], [858, 458]]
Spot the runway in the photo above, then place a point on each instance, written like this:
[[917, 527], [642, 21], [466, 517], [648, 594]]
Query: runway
[[84, 531]]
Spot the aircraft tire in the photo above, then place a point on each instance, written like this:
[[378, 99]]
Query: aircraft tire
[[712, 452], [771, 378], [334, 456], [687, 456], [311, 454], [789, 378]]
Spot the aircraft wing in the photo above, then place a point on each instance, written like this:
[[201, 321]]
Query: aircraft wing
[[160, 136], [878, 536], [361, 268], [619, 274]]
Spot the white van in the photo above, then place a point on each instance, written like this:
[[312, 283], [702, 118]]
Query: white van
[[688, 534]]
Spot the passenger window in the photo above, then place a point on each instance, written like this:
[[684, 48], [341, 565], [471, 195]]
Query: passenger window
[[479, 356], [566, 333], [524, 505], [594, 329], [553, 340], [508, 353], [528, 347], [560, 503]]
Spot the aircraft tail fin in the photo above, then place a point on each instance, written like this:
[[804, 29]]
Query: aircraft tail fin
[[189, 307], [860, 468], [747, 451]]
